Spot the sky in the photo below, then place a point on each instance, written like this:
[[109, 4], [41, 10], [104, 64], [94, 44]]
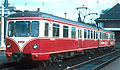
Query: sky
[[59, 7]]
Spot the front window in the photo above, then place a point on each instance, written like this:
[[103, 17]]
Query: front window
[[10, 29], [35, 29], [23, 29]]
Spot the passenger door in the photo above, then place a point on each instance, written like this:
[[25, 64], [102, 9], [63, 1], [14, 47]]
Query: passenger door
[[79, 37]]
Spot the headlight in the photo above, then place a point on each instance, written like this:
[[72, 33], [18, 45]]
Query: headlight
[[35, 46], [8, 45]]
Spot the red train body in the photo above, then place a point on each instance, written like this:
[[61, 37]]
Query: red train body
[[40, 35]]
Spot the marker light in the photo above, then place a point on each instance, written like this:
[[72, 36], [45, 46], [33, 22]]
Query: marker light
[[8, 45], [35, 46]]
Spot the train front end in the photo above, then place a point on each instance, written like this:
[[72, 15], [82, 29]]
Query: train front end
[[22, 39]]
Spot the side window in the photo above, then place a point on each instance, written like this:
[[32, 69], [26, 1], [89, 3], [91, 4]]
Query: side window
[[79, 33], [10, 29], [113, 37], [35, 29], [88, 34], [85, 33], [46, 31], [103, 35], [106, 35], [100, 35], [56, 28], [65, 31], [94, 34], [73, 32]]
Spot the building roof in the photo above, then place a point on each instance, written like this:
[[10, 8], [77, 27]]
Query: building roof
[[112, 14]]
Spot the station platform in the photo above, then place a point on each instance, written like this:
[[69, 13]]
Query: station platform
[[3, 58], [2, 49], [115, 65]]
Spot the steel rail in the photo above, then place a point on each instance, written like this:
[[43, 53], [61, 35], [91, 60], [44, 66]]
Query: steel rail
[[7, 65], [105, 63], [95, 59]]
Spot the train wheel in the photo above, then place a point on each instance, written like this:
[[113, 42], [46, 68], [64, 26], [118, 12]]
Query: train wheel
[[46, 63], [111, 48], [100, 50], [83, 52]]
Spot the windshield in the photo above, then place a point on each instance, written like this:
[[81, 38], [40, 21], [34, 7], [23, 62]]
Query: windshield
[[23, 29], [10, 29]]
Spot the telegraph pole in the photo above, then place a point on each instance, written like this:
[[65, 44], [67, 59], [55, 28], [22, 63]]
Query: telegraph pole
[[2, 26]]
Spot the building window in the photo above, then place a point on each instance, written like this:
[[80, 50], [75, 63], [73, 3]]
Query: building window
[[73, 32], [46, 29], [56, 29], [65, 31], [35, 29]]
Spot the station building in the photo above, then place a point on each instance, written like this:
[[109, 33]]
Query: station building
[[111, 21]]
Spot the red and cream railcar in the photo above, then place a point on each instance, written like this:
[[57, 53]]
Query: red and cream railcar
[[38, 35]]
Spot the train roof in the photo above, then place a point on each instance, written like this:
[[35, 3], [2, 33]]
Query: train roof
[[42, 14]]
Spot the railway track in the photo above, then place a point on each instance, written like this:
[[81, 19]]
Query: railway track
[[96, 63], [7, 65], [77, 63]]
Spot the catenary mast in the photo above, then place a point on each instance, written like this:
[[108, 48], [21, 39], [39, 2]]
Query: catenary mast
[[2, 26]]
